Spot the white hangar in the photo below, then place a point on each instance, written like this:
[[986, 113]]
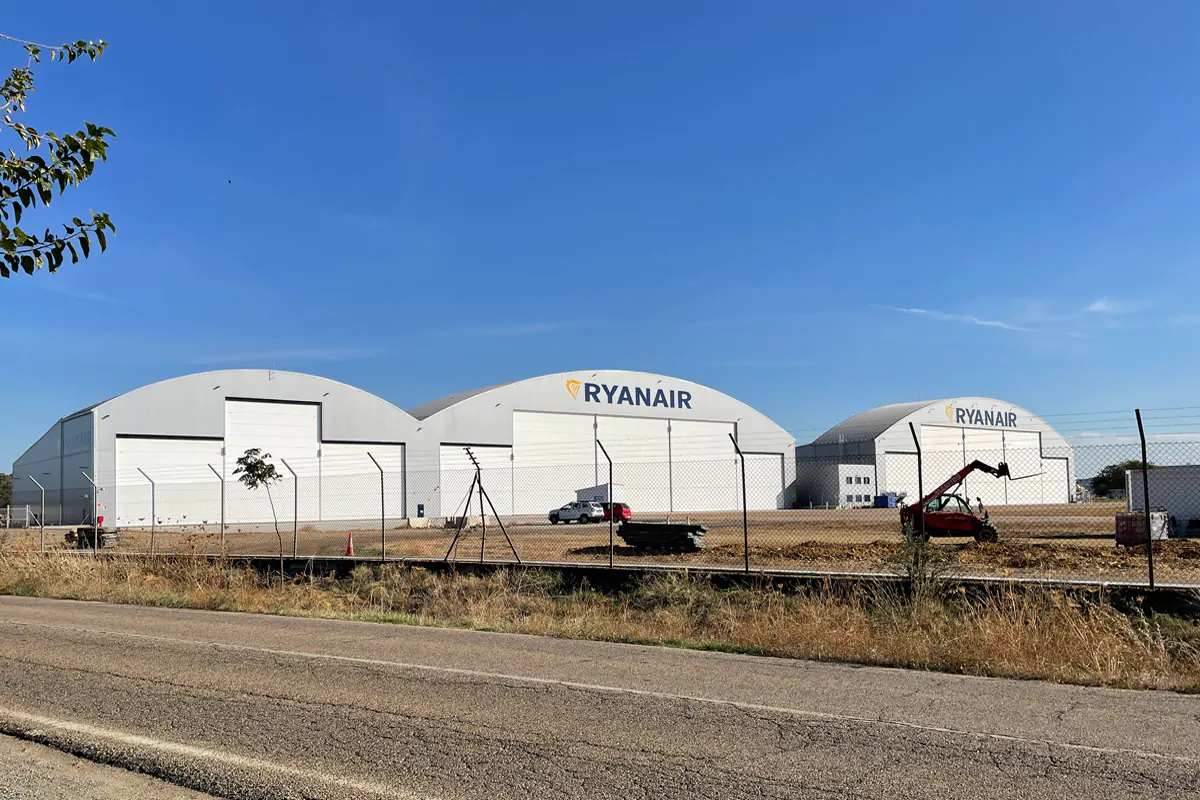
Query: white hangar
[[536, 441], [539, 443], [873, 454], [186, 434]]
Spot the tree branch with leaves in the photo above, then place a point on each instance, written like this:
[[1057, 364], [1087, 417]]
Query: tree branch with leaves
[[49, 165]]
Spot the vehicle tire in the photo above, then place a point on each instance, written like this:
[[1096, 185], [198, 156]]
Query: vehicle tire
[[554, 519], [986, 533], [584, 519]]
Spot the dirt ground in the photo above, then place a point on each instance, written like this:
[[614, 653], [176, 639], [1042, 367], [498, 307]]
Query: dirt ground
[[1066, 542]]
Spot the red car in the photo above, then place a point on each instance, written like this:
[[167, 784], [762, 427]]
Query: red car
[[623, 511]]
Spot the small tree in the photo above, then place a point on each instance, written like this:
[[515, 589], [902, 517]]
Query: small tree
[[1112, 477], [5, 489], [254, 471]]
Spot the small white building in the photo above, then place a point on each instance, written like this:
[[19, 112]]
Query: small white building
[[952, 433], [1175, 490], [857, 482]]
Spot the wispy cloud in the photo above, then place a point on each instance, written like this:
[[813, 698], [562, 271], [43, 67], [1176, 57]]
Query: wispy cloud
[[783, 363], [1105, 305], [268, 357], [66, 290], [1186, 319], [966, 319], [523, 329]]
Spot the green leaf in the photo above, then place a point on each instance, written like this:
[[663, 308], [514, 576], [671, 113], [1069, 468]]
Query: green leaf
[[84, 244], [101, 239]]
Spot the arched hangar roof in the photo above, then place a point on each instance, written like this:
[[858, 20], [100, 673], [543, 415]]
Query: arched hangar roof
[[195, 405], [975, 412], [868, 425], [486, 414]]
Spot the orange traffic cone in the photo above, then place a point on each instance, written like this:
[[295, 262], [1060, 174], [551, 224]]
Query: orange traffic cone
[[350, 544]]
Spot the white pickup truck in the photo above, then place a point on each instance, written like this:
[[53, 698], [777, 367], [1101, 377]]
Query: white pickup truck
[[577, 512]]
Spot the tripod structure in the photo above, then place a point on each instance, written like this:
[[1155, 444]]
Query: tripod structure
[[477, 482]]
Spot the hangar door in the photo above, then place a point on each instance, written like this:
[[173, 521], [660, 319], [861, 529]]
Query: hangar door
[[288, 432], [349, 482], [898, 474], [764, 481], [705, 474], [187, 491], [553, 457], [984, 445], [1023, 452], [458, 473], [943, 453], [1056, 485], [641, 454]]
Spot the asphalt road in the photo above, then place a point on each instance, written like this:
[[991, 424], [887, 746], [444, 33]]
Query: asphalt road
[[31, 771], [255, 707]]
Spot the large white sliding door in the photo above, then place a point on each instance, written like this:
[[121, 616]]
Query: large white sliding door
[[705, 475], [458, 473], [764, 481], [1023, 452], [640, 450], [187, 491], [984, 445], [554, 456], [287, 432], [350, 483]]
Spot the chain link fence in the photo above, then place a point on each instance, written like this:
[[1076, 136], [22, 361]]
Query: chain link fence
[[1078, 515]]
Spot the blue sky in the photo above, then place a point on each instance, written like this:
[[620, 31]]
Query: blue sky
[[817, 208]]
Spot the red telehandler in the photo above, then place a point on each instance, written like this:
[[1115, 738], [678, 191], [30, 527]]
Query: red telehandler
[[948, 514]]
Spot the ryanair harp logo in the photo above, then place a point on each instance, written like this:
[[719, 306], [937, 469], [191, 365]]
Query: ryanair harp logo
[[573, 387], [950, 413]]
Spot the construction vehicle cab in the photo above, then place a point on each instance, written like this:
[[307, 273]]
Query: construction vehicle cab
[[945, 513]]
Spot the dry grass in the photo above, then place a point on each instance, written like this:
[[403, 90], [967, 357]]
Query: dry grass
[[1024, 634]]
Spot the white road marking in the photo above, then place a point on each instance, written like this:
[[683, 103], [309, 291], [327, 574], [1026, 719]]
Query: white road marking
[[35, 726], [594, 687]]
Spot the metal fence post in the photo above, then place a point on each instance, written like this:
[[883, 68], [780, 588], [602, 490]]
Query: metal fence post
[[482, 515], [153, 509], [920, 480], [382, 511], [1146, 498], [221, 478], [42, 518], [95, 518], [612, 509], [745, 514], [295, 508]]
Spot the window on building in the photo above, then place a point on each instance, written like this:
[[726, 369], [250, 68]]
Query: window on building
[[857, 479], [849, 479], [849, 498], [866, 480]]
